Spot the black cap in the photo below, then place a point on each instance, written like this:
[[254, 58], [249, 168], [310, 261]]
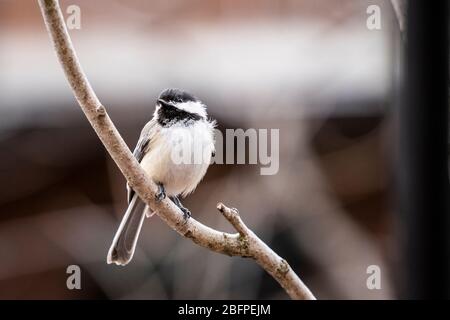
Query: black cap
[[176, 95]]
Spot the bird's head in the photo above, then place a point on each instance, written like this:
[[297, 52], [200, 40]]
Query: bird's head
[[175, 106]]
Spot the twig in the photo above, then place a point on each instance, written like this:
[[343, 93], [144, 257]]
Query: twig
[[243, 244], [232, 215]]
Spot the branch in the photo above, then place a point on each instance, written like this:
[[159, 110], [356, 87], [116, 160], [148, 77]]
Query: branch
[[399, 7], [244, 244]]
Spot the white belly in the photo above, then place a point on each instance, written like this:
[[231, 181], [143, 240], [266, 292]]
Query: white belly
[[179, 157]]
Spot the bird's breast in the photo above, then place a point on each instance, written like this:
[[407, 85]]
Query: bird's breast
[[179, 157]]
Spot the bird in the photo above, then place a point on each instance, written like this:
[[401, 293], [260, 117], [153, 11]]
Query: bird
[[179, 126]]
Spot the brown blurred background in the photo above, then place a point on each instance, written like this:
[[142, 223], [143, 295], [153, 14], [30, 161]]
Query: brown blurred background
[[308, 67]]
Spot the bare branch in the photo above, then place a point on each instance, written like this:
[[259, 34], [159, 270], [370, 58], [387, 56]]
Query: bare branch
[[233, 217], [243, 244], [399, 7]]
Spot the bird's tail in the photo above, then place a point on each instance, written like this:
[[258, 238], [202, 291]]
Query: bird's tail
[[124, 243]]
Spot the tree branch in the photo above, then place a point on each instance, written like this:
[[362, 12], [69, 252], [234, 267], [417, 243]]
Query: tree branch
[[244, 244], [399, 7]]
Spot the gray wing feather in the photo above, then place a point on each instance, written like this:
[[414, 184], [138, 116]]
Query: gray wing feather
[[124, 243], [142, 147]]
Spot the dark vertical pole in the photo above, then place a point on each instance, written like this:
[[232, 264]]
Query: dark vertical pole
[[423, 171]]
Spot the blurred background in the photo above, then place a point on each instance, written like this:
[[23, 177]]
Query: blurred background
[[310, 68]]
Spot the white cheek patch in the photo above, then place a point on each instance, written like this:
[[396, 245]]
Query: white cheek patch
[[193, 107]]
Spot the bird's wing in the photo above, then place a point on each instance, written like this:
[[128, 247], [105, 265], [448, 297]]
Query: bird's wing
[[142, 147]]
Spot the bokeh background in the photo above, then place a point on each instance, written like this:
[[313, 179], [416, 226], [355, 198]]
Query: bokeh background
[[310, 68]]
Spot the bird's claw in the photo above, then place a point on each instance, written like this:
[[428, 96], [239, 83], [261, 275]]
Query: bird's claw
[[186, 213], [161, 194]]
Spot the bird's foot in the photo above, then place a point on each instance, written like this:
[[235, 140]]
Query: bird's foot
[[161, 194], [186, 212]]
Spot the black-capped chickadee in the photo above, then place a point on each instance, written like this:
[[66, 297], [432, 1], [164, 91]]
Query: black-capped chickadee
[[179, 125]]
